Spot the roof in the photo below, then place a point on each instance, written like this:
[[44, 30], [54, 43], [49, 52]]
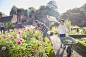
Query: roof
[[51, 18], [6, 19]]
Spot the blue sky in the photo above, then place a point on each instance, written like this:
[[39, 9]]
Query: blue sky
[[63, 5]]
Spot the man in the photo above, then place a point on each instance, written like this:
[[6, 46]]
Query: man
[[43, 28], [62, 28]]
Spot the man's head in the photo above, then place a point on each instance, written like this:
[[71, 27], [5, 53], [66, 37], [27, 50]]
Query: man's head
[[36, 22], [62, 22]]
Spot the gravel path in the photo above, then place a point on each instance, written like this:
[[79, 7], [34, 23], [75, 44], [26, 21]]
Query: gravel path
[[59, 52]]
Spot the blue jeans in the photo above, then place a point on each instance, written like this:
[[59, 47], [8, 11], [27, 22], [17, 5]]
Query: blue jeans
[[46, 34], [62, 35]]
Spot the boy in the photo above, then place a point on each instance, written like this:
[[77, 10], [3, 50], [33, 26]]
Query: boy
[[62, 28]]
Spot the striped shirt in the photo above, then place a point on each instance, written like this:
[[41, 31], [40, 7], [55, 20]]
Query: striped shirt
[[42, 26]]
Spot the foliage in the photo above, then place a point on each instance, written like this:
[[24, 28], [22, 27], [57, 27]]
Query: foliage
[[3, 15], [54, 24], [77, 35], [39, 13], [82, 44], [23, 43], [77, 16], [52, 4], [10, 26], [68, 24]]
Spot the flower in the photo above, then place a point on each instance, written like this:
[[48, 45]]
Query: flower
[[0, 32], [20, 36], [19, 32], [28, 30], [7, 41], [15, 29], [35, 48], [9, 30], [40, 40], [3, 48], [12, 37], [0, 53], [38, 44], [19, 42], [4, 36]]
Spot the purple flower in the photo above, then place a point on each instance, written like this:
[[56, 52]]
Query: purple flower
[[4, 36], [0, 53], [19, 32], [12, 37], [3, 48], [19, 42], [20, 36]]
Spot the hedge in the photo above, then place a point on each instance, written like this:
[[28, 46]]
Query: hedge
[[82, 44], [78, 35]]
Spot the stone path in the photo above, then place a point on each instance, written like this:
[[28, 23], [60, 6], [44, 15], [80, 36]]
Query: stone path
[[59, 52]]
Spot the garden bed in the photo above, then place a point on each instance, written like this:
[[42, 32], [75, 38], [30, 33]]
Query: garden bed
[[24, 42]]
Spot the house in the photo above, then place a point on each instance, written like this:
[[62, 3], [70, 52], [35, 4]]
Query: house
[[47, 20], [18, 20]]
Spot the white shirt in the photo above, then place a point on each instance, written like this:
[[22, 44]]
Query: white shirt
[[62, 29]]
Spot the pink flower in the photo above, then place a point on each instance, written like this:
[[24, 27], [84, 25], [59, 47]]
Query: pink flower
[[3, 48], [28, 30], [0, 32], [19, 42], [19, 32], [4, 36], [20, 36], [15, 29], [12, 37], [9, 30], [24, 29], [7, 41], [40, 40], [38, 44], [35, 48]]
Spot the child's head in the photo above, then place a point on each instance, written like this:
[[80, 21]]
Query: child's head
[[62, 21]]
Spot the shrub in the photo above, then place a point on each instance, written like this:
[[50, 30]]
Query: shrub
[[77, 35], [24, 43], [10, 26], [82, 44]]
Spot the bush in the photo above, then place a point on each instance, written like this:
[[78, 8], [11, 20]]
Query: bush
[[77, 35], [24, 43], [10, 26], [85, 32], [82, 44]]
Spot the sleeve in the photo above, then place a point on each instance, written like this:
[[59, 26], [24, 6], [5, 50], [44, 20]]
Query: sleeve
[[66, 29], [58, 28]]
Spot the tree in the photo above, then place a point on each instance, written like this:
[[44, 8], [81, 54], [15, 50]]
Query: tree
[[52, 4], [76, 16]]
